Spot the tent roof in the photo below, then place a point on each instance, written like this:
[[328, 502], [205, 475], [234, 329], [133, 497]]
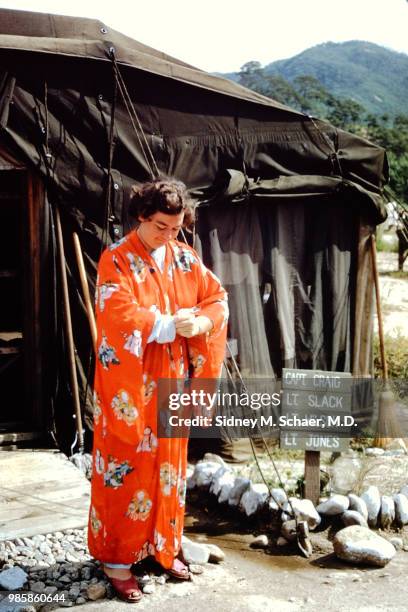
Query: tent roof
[[57, 90], [92, 39]]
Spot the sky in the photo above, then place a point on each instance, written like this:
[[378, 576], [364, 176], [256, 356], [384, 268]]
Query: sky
[[221, 35]]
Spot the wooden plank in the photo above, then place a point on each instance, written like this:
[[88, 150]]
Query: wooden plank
[[312, 476]]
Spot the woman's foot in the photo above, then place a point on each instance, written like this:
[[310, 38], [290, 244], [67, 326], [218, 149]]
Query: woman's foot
[[124, 583], [179, 570]]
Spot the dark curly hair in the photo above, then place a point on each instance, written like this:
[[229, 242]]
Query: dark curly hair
[[163, 194]]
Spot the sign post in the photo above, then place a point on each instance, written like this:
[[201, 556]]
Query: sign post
[[316, 406]]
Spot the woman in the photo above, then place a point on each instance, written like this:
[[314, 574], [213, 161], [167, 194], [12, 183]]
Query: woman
[[160, 314]]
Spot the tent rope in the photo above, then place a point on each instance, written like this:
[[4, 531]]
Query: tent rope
[[134, 118]]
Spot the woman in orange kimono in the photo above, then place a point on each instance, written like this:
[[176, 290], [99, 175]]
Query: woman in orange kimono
[[160, 314]]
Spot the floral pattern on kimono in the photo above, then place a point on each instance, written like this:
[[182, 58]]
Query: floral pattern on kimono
[[140, 506], [116, 472], [168, 477], [124, 408]]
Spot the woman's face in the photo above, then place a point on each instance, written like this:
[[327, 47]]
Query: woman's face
[[159, 228]]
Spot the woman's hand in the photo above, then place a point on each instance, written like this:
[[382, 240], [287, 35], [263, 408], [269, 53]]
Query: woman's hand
[[188, 325]]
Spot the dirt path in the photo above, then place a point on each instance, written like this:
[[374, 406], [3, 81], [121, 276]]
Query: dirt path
[[274, 580], [394, 294]]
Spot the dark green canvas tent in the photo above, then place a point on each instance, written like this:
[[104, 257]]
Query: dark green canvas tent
[[286, 204]]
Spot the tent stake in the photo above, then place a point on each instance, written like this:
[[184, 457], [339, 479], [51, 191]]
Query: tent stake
[[68, 332], [85, 288]]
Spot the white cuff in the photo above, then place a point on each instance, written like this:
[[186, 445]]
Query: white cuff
[[164, 329]]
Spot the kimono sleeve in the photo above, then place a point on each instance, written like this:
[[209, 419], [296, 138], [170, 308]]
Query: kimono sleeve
[[207, 351], [123, 328]]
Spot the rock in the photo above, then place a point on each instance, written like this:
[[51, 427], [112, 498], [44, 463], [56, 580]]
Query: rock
[[96, 591], [373, 502], [345, 472], [281, 541], [397, 543], [226, 489], [336, 504], [222, 477], [360, 545], [260, 541], [352, 517], [164, 577], [253, 498], [237, 491], [279, 497], [216, 554], [13, 578], [374, 452], [80, 601], [145, 579], [401, 509], [66, 579], [193, 552], [288, 530], [304, 510], [358, 504], [195, 569], [404, 491], [387, 511], [37, 587], [213, 458], [204, 472], [149, 589]]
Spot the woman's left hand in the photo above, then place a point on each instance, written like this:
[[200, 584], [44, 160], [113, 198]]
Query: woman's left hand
[[188, 325]]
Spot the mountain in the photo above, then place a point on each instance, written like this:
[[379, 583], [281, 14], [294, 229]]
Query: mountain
[[373, 76]]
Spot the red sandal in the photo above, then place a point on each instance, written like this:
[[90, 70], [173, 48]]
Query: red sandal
[[128, 589], [181, 572]]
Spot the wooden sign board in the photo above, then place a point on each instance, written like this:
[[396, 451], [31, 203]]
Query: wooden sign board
[[299, 440], [306, 393]]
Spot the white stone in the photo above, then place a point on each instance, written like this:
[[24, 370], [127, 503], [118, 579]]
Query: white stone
[[352, 517], [358, 504], [193, 552], [225, 491], [373, 502], [387, 511], [304, 511], [279, 496], [222, 477], [216, 554], [212, 457], [397, 543], [360, 545], [404, 490], [13, 578], [253, 498], [239, 488], [204, 472], [260, 541], [401, 509], [149, 589], [345, 473], [336, 504]]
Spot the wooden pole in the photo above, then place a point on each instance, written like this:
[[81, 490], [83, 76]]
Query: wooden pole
[[312, 476], [379, 310], [68, 331], [85, 288]]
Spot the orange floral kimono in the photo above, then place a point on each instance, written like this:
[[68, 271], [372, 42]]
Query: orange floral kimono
[[139, 481]]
